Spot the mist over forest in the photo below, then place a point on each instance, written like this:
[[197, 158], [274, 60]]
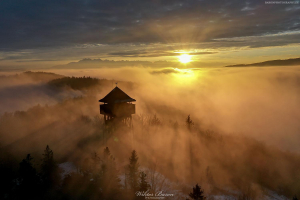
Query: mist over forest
[[233, 131], [147, 100]]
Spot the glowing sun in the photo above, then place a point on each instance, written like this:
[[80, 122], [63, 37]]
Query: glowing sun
[[185, 58]]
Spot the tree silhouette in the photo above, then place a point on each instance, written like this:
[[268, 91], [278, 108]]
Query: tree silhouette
[[189, 122], [154, 121], [133, 171], [110, 182], [197, 193], [106, 152], [144, 185], [49, 170], [8, 175], [27, 172], [28, 186], [295, 198]]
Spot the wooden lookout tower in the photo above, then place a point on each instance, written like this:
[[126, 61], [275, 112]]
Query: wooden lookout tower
[[117, 107]]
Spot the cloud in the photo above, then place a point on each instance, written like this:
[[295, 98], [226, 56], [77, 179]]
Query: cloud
[[36, 24], [152, 54], [278, 39], [165, 71]]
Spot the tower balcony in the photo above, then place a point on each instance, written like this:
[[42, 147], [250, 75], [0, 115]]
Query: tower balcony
[[117, 109]]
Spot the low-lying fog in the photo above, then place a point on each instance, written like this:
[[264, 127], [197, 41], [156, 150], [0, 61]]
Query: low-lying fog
[[263, 103], [239, 105]]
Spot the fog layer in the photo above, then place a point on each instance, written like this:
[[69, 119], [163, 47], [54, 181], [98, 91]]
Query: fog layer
[[257, 102]]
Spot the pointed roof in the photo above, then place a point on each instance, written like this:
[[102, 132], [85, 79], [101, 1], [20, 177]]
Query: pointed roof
[[116, 96]]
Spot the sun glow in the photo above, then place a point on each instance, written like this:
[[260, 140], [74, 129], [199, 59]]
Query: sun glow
[[185, 58], [183, 77]]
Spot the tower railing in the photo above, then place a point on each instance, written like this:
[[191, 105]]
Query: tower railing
[[117, 109]]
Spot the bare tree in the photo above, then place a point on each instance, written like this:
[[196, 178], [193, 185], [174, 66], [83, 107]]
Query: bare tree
[[248, 193], [157, 181]]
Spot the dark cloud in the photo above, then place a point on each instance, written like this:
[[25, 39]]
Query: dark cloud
[[44, 24], [165, 71], [152, 54]]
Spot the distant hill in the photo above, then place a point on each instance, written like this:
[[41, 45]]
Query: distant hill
[[29, 76], [288, 62], [41, 76], [76, 83], [82, 83]]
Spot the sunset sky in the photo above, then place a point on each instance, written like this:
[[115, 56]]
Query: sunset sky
[[216, 33]]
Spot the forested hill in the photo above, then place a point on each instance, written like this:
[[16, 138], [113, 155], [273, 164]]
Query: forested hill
[[29, 75]]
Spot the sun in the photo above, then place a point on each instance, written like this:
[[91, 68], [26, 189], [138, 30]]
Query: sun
[[185, 58]]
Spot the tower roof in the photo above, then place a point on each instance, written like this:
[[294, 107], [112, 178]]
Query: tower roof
[[116, 96]]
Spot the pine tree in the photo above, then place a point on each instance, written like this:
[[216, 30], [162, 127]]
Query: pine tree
[[49, 170], [144, 186], [27, 171], [197, 193], [106, 152], [189, 122], [28, 180], [109, 176], [133, 171]]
